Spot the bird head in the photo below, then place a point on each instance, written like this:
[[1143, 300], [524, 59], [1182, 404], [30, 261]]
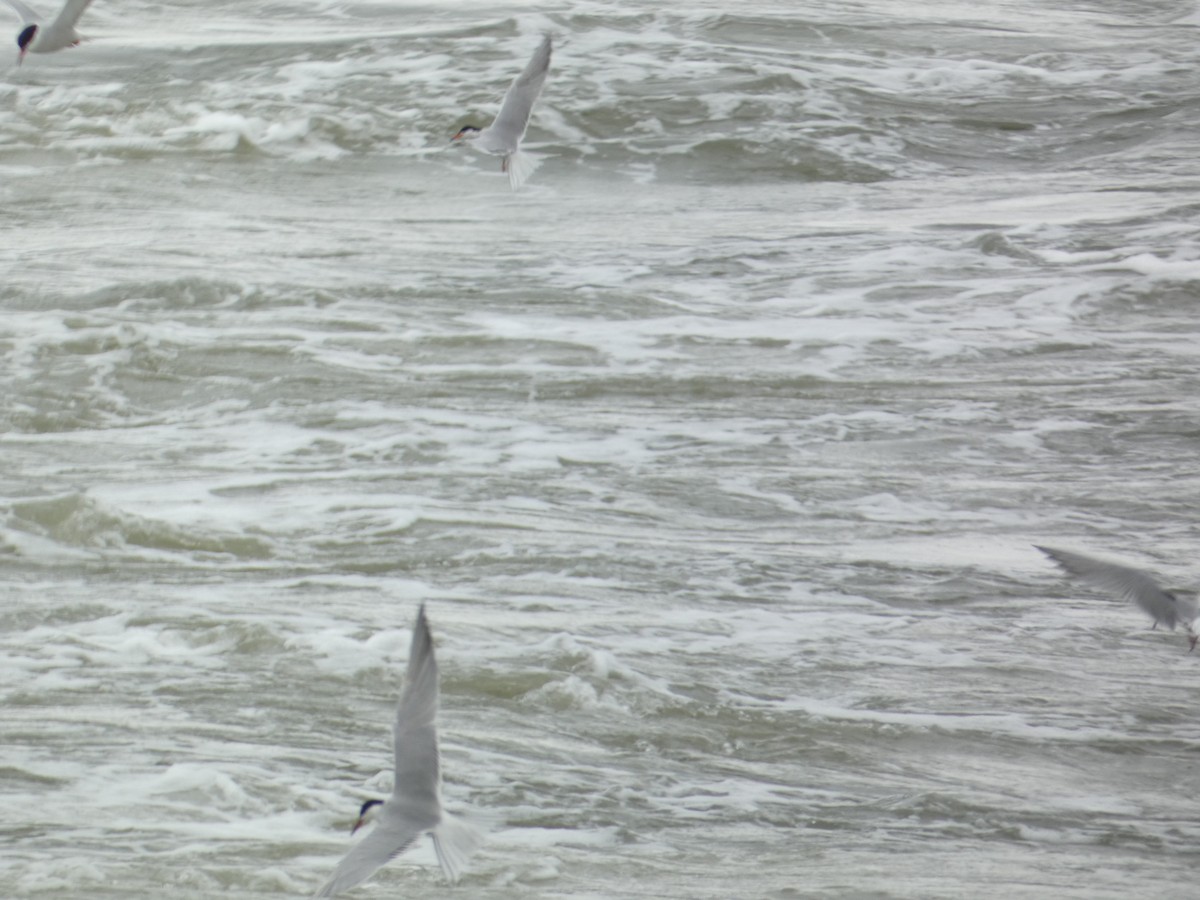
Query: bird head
[[466, 133], [366, 814], [24, 39]]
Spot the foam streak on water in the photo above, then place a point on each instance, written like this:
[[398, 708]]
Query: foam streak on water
[[717, 453]]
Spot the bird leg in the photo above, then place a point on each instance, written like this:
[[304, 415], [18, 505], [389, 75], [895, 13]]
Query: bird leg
[[1192, 638]]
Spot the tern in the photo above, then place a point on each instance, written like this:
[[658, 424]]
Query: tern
[[503, 136], [35, 37], [1132, 584], [415, 806]]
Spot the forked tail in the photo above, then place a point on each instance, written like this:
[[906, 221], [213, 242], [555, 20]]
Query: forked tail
[[455, 840], [519, 167]]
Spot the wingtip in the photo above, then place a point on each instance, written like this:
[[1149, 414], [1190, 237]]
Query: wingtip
[[544, 52]]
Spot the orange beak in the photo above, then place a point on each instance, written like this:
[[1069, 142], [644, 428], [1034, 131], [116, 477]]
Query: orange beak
[[357, 825]]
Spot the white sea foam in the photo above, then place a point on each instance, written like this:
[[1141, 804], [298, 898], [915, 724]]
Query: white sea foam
[[717, 455]]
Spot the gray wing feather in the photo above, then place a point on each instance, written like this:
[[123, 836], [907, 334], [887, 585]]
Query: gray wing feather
[[505, 133], [62, 30], [387, 839], [1132, 584], [28, 16], [69, 17], [414, 733]]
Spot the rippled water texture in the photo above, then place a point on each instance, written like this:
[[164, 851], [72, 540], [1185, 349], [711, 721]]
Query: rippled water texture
[[716, 453]]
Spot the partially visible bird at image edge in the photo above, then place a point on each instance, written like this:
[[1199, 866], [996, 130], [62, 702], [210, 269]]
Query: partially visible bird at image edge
[[38, 37], [1133, 584]]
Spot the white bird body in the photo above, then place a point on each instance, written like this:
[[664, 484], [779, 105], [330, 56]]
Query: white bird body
[[503, 136], [415, 806], [39, 37], [1133, 584]]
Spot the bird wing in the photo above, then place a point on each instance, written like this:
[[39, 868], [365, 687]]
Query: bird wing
[[1132, 584], [414, 733], [414, 806], [28, 16], [506, 131], [416, 797], [61, 32], [70, 14], [390, 836]]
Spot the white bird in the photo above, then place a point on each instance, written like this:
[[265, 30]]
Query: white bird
[[1132, 584], [415, 806], [503, 136], [36, 37]]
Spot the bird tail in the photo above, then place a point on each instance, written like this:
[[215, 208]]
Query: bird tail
[[455, 840], [520, 166]]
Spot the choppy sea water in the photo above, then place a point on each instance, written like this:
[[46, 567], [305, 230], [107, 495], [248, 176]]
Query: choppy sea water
[[716, 453]]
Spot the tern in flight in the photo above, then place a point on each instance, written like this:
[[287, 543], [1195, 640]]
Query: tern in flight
[[1132, 584], [415, 806], [503, 136], [37, 37]]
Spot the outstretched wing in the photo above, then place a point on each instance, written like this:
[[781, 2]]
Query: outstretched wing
[[505, 133], [69, 17], [61, 32], [416, 798], [1132, 584], [387, 839], [418, 780]]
